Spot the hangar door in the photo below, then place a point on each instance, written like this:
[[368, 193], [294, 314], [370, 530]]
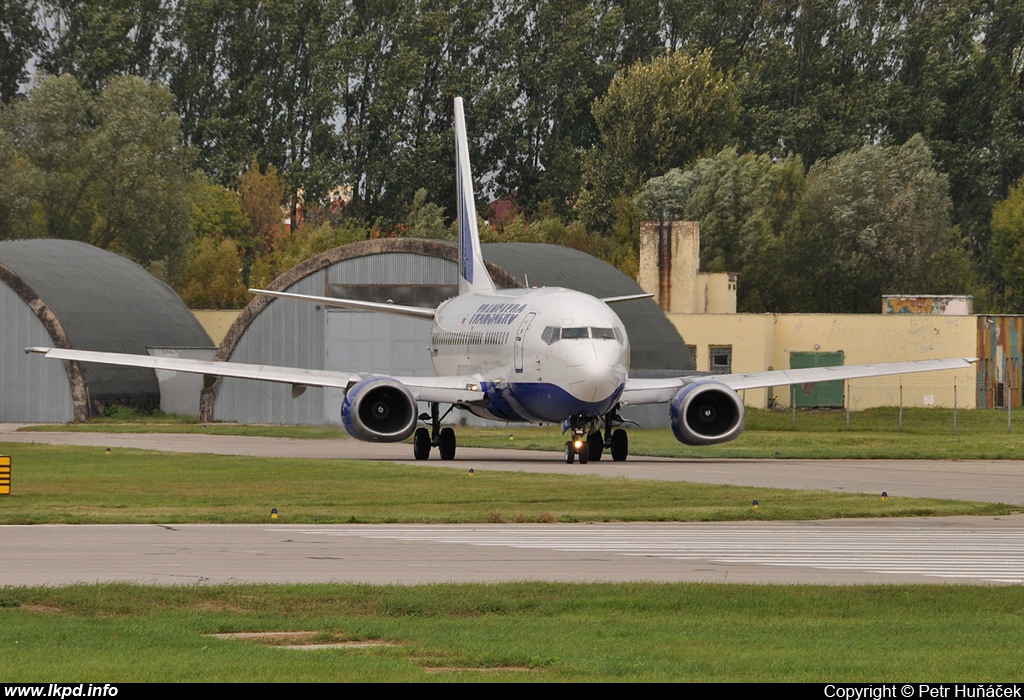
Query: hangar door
[[361, 341], [823, 394]]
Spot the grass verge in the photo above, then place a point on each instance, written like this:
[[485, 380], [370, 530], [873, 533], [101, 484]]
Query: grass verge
[[927, 433], [515, 632], [60, 484]]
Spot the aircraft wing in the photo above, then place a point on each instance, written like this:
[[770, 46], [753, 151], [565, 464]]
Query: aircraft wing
[[436, 389], [646, 391]]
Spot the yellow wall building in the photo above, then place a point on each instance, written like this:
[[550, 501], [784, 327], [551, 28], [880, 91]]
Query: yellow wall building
[[216, 323], [758, 342]]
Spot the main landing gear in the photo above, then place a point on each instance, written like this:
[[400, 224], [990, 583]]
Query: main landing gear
[[592, 446], [441, 438]]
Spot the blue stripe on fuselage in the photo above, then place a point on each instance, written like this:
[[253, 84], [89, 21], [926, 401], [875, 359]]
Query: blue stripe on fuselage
[[541, 402]]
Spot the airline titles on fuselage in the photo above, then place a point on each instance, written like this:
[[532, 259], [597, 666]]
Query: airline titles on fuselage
[[496, 314]]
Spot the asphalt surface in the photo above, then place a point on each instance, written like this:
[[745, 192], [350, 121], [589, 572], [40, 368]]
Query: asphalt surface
[[979, 550], [955, 550]]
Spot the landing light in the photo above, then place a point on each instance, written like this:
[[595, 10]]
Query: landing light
[[578, 444]]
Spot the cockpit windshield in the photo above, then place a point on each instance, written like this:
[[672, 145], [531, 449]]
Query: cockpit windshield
[[552, 334]]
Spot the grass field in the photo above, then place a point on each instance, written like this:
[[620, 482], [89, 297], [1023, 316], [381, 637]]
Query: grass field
[[927, 433], [514, 632], [527, 631], [85, 485]]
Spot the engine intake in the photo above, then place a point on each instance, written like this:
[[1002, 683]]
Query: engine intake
[[706, 413], [379, 409]]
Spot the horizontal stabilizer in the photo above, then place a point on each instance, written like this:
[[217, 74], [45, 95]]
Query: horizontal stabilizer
[[626, 297], [380, 307]]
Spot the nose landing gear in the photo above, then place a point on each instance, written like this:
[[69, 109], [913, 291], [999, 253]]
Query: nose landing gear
[[577, 446], [589, 442]]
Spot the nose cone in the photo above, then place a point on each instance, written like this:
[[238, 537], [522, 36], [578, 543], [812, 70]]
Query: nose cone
[[595, 371]]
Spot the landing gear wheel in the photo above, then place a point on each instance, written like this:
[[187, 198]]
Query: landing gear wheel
[[584, 453], [447, 447], [570, 453], [421, 443], [595, 444], [620, 445]]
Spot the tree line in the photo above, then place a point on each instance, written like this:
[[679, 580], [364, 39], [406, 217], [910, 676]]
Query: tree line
[[860, 147]]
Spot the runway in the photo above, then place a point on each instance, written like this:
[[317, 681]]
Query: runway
[[964, 550], [950, 550]]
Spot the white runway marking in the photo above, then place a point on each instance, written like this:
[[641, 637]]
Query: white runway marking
[[944, 553]]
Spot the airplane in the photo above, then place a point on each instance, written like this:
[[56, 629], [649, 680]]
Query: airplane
[[537, 355]]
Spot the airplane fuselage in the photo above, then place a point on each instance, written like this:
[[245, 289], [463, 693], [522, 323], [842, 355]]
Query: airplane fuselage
[[542, 355]]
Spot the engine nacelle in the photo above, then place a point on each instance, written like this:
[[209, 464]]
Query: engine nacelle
[[706, 413], [379, 409]]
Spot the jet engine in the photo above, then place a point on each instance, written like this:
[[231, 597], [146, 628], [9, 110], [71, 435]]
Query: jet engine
[[706, 413], [379, 409]]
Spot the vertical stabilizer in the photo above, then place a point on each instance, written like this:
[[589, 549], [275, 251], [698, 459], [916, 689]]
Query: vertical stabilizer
[[473, 275]]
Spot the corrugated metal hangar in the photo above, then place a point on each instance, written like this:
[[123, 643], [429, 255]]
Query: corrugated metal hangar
[[405, 271], [72, 295]]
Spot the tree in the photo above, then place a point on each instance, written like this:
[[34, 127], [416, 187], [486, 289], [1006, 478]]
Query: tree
[[878, 223], [256, 79], [551, 60], [95, 40], [213, 276], [655, 116], [217, 212], [19, 38], [749, 208], [807, 77], [19, 183], [141, 186], [1008, 246], [861, 224], [106, 170], [401, 63], [425, 219], [261, 195]]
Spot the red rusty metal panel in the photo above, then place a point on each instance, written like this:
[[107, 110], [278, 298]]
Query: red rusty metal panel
[[999, 364]]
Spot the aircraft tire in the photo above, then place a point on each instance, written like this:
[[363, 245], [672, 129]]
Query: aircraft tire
[[570, 453], [620, 445], [585, 453], [595, 443], [421, 444], [447, 447]]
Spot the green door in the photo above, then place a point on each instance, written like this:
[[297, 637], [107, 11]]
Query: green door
[[822, 394]]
